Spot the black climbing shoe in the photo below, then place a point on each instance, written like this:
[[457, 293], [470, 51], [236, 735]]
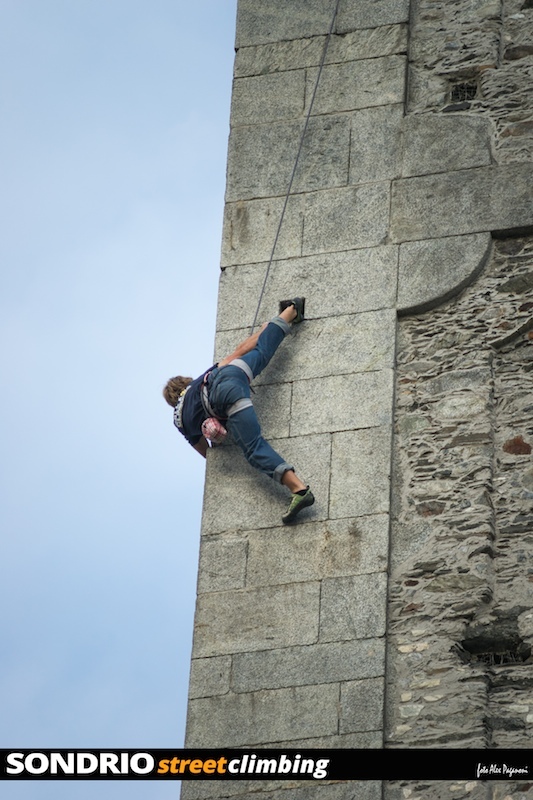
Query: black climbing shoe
[[298, 503], [299, 305]]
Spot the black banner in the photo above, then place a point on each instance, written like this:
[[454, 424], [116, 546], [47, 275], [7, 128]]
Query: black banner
[[266, 764]]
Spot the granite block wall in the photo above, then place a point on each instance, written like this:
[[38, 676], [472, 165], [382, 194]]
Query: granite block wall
[[396, 400]]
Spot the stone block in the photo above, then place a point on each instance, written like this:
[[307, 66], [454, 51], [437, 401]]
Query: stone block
[[463, 406], [250, 229], [433, 271], [358, 84], [239, 498], [338, 345], [318, 550], [268, 98], [362, 705], [335, 220], [272, 404], [342, 402], [476, 379], [237, 720], [259, 22], [371, 14], [346, 219], [356, 45], [209, 676], [353, 607], [360, 473], [301, 666], [222, 564], [302, 53], [256, 619], [376, 131], [332, 283], [280, 56], [360, 739], [438, 143], [261, 158], [495, 198]]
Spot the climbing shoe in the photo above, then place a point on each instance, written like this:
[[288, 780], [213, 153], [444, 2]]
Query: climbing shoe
[[298, 503], [299, 305]]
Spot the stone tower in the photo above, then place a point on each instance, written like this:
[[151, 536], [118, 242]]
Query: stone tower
[[398, 612]]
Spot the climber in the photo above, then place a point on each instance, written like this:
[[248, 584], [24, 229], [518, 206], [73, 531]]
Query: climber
[[220, 399]]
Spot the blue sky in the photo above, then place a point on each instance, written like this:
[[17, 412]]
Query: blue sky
[[115, 118]]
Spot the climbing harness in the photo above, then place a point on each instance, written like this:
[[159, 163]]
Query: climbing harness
[[204, 397], [212, 427], [300, 147]]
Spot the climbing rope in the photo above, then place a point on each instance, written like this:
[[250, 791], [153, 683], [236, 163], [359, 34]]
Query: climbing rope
[[300, 147]]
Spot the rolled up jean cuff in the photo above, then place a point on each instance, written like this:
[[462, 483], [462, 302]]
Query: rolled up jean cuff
[[244, 402], [285, 327], [280, 471], [239, 362]]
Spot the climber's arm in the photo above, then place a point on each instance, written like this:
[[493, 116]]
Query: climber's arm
[[244, 347]]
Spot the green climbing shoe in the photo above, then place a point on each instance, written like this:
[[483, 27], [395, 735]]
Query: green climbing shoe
[[298, 503], [299, 305]]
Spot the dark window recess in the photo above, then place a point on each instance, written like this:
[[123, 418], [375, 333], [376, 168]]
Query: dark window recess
[[462, 92], [493, 652]]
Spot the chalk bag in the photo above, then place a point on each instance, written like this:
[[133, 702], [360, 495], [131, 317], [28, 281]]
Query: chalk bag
[[214, 431]]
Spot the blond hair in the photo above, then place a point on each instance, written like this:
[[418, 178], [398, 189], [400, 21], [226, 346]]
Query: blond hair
[[174, 388]]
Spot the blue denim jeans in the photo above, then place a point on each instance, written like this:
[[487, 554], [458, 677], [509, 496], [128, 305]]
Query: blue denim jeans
[[230, 384]]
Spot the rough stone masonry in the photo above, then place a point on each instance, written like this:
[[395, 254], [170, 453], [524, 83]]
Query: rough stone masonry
[[399, 613]]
